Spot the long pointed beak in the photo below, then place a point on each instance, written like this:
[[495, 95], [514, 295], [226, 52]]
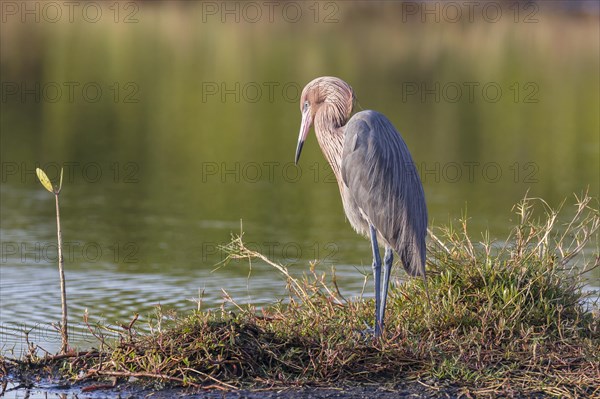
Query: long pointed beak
[[304, 127]]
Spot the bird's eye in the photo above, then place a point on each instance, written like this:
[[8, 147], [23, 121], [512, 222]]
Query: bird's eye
[[305, 105]]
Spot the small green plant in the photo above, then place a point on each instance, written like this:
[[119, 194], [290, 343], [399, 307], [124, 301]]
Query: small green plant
[[61, 263]]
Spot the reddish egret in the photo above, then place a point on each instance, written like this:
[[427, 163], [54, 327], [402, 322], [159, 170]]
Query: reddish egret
[[381, 191]]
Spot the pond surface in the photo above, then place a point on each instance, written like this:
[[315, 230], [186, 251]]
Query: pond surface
[[177, 128]]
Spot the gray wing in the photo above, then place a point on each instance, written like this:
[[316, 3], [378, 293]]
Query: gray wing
[[383, 182]]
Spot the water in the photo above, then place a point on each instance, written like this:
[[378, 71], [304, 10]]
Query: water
[[181, 130]]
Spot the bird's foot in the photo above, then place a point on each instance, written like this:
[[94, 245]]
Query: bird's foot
[[369, 333]]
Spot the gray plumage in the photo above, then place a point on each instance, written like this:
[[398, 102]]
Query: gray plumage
[[380, 188]]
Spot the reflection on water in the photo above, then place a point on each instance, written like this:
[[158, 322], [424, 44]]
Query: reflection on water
[[161, 169], [46, 391]]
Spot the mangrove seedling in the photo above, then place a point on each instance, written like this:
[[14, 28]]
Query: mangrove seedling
[[61, 264]]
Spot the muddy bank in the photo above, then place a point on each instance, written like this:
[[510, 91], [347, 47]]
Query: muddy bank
[[25, 389], [35, 386]]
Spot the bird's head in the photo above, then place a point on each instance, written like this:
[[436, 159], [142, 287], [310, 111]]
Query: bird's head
[[328, 99]]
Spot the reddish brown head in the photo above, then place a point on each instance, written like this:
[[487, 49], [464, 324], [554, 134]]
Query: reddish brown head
[[328, 100]]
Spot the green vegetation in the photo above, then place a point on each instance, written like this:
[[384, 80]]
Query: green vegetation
[[505, 317]]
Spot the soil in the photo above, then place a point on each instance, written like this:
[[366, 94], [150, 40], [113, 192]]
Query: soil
[[128, 390], [133, 391], [44, 383]]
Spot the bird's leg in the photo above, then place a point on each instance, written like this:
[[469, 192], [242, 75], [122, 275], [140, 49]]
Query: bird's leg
[[388, 259], [377, 278]]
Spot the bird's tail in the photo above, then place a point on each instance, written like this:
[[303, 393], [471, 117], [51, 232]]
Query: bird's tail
[[413, 260]]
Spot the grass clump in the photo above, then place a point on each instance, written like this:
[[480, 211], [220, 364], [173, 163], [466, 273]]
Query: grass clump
[[505, 317]]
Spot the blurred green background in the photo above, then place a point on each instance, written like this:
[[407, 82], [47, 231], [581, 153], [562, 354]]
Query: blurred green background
[[177, 120]]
